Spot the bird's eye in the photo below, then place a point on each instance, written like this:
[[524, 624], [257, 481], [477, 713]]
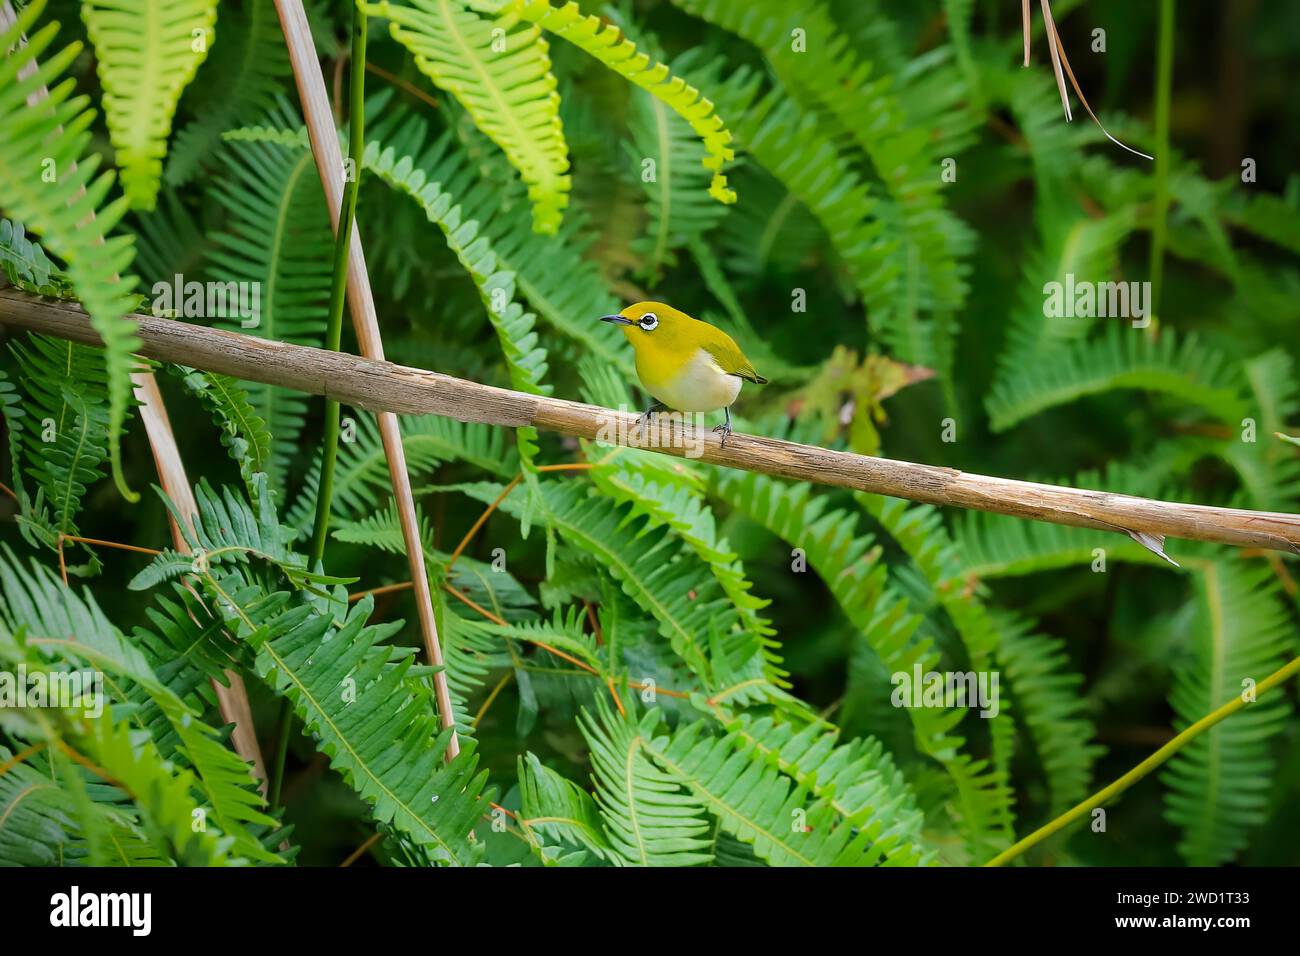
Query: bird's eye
[[649, 322]]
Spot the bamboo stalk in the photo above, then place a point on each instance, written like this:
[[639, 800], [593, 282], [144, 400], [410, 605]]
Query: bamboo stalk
[[232, 700], [329, 163], [387, 387]]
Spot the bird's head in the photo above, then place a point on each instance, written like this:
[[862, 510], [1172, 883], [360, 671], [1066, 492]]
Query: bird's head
[[645, 319]]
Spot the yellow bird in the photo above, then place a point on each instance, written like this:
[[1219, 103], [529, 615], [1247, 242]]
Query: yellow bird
[[685, 364]]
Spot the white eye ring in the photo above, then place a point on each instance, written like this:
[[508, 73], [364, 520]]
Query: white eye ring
[[649, 322]]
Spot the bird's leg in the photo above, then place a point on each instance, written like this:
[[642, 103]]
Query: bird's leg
[[644, 419], [725, 427]]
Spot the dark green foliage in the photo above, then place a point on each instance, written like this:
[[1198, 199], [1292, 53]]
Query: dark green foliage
[[654, 661]]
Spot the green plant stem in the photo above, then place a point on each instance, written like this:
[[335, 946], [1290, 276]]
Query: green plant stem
[[281, 752], [1275, 679], [333, 341], [1160, 208], [339, 287]]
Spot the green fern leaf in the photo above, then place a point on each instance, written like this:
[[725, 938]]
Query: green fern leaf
[[244, 434], [71, 628], [251, 69], [371, 716], [23, 262], [48, 182], [525, 358], [277, 237], [1218, 785], [147, 52], [559, 810], [11, 410], [927, 274], [1049, 701], [658, 574], [851, 569], [677, 200], [758, 805], [67, 390], [361, 477], [857, 781], [551, 272], [377, 725], [819, 176], [501, 74], [650, 818], [606, 44], [1121, 359]]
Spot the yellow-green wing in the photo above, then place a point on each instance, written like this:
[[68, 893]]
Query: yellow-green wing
[[728, 355]]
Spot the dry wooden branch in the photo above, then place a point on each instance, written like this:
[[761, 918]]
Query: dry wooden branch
[[329, 164], [387, 387]]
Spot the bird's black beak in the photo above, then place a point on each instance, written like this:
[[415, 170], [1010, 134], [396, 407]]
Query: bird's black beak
[[617, 320]]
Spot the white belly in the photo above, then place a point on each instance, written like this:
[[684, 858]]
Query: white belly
[[702, 386]]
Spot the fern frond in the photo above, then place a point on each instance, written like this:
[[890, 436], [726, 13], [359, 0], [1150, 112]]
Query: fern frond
[[657, 489], [1072, 244], [66, 442], [1218, 785], [228, 532], [1044, 689], [361, 477], [40, 822], [1265, 215], [11, 411], [852, 571], [930, 241], [69, 628], [771, 231], [650, 817], [163, 795], [501, 73], [676, 197], [755, 803], [48, 182], [375, 720], [1049, 701], [821, 178], [147, 52], [551, 272], [1122, 358], [378, 725], [525, 359], [1269, 475], [661, 576], [857, 780], [24, 263], [278, 242], [250, 70], [243, 433], [559, 810], [606, 43]]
